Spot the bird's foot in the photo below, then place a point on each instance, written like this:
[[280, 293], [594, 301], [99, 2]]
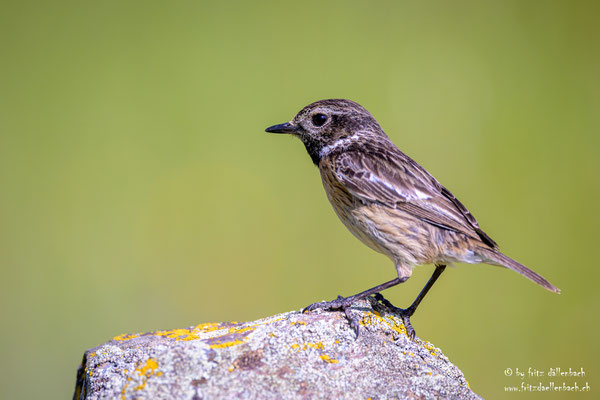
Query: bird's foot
[[341, 303], [404, 313]]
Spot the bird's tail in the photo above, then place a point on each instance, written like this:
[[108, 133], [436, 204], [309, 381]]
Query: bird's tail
[[497, 258]]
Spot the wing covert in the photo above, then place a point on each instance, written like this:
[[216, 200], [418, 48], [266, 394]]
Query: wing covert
[[396, 181]]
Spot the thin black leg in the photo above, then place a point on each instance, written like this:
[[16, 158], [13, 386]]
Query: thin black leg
[[344, 303], [408, 312]]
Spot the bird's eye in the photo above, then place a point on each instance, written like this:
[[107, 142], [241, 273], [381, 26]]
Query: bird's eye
[[319, 119]]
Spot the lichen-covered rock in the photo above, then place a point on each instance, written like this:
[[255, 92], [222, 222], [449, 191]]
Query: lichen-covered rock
[[286, 356]]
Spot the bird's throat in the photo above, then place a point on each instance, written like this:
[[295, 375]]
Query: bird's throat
[[313, 148]]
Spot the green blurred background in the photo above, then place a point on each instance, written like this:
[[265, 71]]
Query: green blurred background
[[139, 191]]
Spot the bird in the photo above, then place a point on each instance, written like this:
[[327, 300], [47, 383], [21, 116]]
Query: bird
[[390, 203]]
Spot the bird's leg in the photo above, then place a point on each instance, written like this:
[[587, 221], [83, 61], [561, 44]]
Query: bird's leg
[[406, 313], [344, 303]]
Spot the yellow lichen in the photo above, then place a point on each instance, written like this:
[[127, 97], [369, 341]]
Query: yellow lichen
[[241, 330], [146, 371], [126, 336], [430, 348], [328, 359], [318, 345], [195, 333], [185, 334], [124, 389], [148, 368], [181, 334], [208, 327], [220, 345], [373, 317]]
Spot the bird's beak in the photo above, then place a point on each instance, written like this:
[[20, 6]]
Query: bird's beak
[[282, 128]]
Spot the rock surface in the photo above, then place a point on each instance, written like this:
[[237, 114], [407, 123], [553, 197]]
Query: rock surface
[[291, 355]]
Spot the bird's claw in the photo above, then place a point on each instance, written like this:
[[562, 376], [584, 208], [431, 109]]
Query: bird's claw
[[341, 304], [338, 304], [404, 313]]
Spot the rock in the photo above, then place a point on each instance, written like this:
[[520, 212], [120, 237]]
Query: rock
[[291, 355]]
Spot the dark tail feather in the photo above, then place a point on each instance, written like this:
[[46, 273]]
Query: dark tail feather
[[500, 259]]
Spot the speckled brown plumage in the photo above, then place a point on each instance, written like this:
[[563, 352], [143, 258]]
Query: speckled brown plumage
[[386, 199]]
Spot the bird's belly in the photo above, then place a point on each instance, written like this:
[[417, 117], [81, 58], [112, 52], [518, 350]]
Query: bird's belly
[[400, 237], [397, 236], [406, 240]]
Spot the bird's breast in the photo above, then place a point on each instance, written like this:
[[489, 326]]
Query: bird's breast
[[353, 213], [392, 232]]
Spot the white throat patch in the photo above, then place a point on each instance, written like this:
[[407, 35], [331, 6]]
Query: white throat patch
[[325, 151]]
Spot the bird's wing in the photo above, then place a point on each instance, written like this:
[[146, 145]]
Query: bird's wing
[[393, 179]]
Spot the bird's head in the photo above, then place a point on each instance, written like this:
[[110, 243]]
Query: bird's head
[[328, 125]]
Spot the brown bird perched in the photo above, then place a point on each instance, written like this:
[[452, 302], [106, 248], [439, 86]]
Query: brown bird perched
[[389, 202]]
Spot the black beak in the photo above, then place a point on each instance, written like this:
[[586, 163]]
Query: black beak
[[282, 128]]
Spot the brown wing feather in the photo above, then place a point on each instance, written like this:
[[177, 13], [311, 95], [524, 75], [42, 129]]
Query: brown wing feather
[[470, 218], [391, 178]]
